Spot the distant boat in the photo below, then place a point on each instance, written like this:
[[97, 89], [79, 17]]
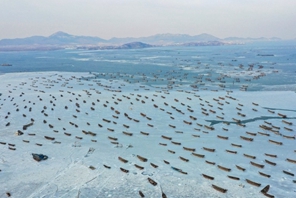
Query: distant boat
[[6, 64]]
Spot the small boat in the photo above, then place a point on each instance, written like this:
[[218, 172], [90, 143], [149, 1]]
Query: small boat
[[232, 177], [208, 177], [223, 190], [143, 159], [151, 181], [271, 163], [253, 183], [124, 170], [6, 65]]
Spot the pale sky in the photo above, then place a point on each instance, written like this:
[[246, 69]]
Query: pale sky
[[137, 18]]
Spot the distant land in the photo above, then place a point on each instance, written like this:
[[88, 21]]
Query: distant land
[[62, 40]]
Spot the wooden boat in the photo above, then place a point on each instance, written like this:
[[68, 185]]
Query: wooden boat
[[91, 133], [38, 144], [240, 124], [187, 122], [250, 133], [193, 118], [162, 144], [253, 183], [282, 115], [290, 160], [67, 134], [276, 127], [209, 162], [271, 163], [265, 134], [199, 124], [123, 160], [124, 170], [222, 137], [184, 159], [265, 127], [26, 141], [166, 137], [264, 174], [224, 168], [189, 149], [209, 149], [275, 142], [144, 133], [176, 143], [246, 138], [236, 145], [166, 162], [208, 177], [112, 138], [205, 113], [197, 136], [153, 165], [150, 125], [198, 155], [141, 194], [288, 173], [270, 155], [151, 181], [288, 129], [240, 168], [127, 133], [250, 156], [270, 111], [143, 159], [232, 177], [105, 120], [49, 138], [257, 165], [265, 189], [173, 152], [223, 190], [268, 195], [12, 148], [142, 114], [286, 122], [289, 137], [139, 167], [230, 151], [185, 173], [209, 127]]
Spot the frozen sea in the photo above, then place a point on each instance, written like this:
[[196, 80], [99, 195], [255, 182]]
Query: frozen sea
[[191, 119]]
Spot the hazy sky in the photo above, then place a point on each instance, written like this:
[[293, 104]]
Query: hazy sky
[[136, 18]]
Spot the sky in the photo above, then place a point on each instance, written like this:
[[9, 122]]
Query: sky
[[138, 18]]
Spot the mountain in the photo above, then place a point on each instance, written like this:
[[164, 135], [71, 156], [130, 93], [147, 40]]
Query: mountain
[[61, 40], [57, 39], [132, 45], [167, 39], [248, 39]]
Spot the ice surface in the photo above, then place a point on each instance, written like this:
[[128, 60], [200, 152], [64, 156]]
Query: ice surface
[[77, 161]]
